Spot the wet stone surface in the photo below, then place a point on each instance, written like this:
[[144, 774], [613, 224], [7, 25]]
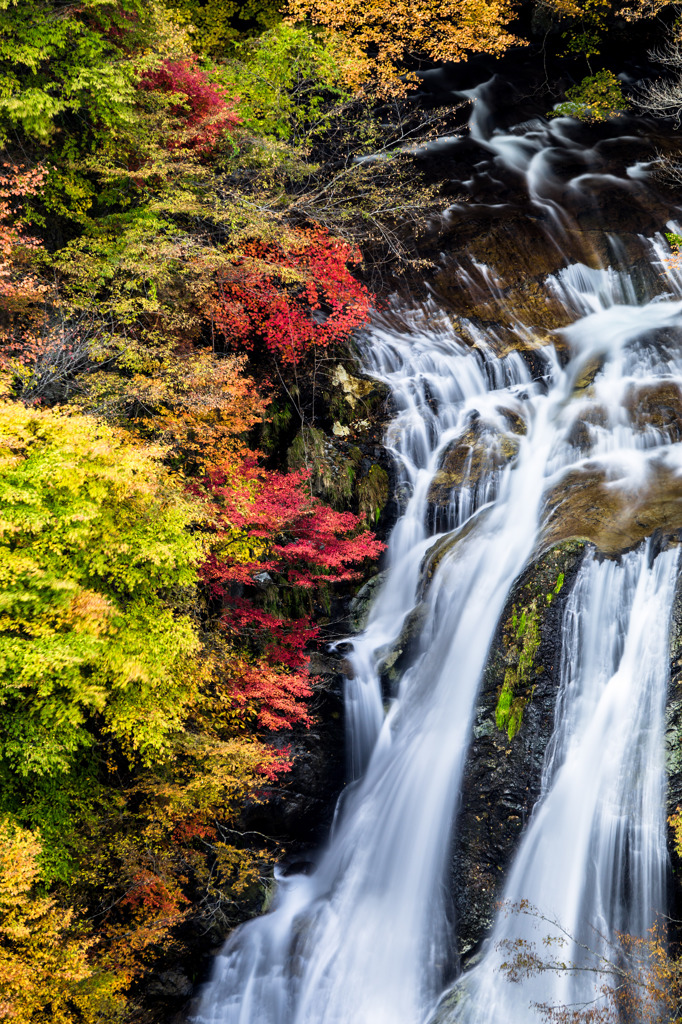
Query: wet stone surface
[[502, 775]]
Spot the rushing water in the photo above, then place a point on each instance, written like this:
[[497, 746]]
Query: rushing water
[[366, 937]]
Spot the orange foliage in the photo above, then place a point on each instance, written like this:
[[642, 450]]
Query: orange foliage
[[21, 293], [201, 405], [634, 978]]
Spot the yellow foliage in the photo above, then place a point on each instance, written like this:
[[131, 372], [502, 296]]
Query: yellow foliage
[[45, 975], [94, 536], [394, 30]]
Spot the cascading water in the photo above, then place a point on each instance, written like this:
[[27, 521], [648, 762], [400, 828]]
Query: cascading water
[[366, 936], [593, 859]]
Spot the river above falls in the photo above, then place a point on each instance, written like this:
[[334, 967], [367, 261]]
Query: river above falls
[[537, 396]]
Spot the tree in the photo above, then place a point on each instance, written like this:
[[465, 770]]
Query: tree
[[270, 534], [98, 569], [63, 59], [597, 98], [22, 293], [290, 83], [204, 113], [382, 40], [631, 977], [45, 973], [217, 25], [663, 97], [199, 405], [295, 294]]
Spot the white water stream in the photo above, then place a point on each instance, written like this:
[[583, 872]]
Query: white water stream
[[593, 859], [367, 936]]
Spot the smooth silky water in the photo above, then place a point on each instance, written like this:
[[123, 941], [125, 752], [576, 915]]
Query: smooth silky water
[[367, 935]]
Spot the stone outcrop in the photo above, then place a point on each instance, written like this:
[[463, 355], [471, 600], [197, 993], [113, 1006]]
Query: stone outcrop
[[673, 752], [513, 722]]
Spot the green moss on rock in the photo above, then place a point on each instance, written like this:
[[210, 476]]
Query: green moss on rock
[[522, 636], [373, 493], [332, 471]]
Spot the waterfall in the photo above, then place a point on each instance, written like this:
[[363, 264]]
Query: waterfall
[[366, 936], [593, 859]]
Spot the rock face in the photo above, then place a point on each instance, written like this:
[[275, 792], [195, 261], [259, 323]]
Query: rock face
[[482, 449], [585, 504], [673, 751], [514, 720], [299, 813]]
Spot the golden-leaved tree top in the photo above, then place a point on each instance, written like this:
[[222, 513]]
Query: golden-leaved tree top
[[378, 39]]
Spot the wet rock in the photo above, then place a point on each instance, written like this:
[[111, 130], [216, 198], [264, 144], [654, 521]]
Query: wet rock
[[361, 603], [399, 655], [513, 722], [481, 450], [656, 405], [586, 376], [444, 547], [588, 504]]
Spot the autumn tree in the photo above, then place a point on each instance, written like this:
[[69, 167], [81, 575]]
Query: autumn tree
[[45, 972], [294, 294], [21, 291], [272, 536], [216, 25], [381, 41], [627, 977], [99, 568]]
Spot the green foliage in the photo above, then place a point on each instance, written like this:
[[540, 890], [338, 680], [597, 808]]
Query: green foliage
[[216, 25], [289, 81], [58, 60], [586, 35], [96, 562], [597, 98]]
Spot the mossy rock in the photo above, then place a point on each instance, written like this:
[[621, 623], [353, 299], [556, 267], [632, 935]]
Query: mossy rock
[[332, 470], [522, 632], [673, 757], [355, 402], [373, 492], [342, 474], [513, 722]]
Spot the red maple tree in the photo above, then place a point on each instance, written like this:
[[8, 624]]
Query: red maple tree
[[203, 109], [298, 544], [291, 295]]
